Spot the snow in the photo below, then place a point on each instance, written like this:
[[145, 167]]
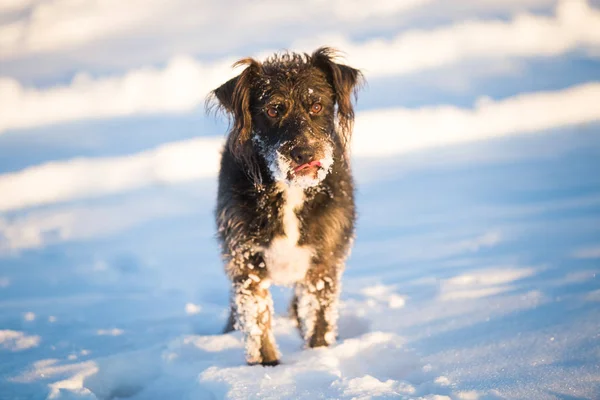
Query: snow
[[198, 158], [592, 252], [476, 151], [17, 341], [183, 83], [254, 314], [29, 316], [191, 308], [110, 332], [280, 165], [476, 294]]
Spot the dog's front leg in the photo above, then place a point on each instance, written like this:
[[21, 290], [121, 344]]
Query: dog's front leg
[[316, 307], [252, 309]]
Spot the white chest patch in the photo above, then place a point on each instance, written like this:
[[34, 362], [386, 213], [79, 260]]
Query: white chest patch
[[287, 262]]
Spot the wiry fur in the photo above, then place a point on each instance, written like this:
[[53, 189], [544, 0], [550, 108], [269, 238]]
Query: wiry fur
[[285, 207]]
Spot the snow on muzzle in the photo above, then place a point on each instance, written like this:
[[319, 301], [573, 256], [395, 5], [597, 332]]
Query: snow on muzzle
[[300, 165]]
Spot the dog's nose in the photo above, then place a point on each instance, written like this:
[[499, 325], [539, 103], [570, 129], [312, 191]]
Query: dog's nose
[[302, 154]]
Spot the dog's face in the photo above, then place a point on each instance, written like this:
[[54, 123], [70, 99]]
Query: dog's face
[[285, 112], [293, 124]]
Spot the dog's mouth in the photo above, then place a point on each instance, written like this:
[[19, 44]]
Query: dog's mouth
[[303, 174], [308, 168]]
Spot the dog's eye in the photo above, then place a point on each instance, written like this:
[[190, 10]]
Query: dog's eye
[[272, 112], [316, 108]]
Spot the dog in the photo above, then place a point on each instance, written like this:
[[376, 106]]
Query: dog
[[285, 205]]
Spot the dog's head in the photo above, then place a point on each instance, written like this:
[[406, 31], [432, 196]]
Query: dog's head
[[293, 110]]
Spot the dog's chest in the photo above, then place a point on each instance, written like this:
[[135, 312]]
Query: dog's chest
[[286, 261]]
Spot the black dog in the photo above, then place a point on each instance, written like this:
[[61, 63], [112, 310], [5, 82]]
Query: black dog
[[285, 209]]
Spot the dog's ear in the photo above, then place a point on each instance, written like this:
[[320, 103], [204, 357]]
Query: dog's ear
[[224, 94], [345, 81], [234, 97]]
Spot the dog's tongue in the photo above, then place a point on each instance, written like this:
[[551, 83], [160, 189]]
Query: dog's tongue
[[307, 165]]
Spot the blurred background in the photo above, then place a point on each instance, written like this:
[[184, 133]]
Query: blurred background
[[476, 153]]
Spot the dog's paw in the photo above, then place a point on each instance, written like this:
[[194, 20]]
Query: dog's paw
[[317, 341], [271, 363]]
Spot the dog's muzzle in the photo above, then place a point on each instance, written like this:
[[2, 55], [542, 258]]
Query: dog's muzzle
[[305, 161], [300, 165]]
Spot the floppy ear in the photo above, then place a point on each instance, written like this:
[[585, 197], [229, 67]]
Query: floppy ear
[[234, 97], [224, 94], [345, 81]]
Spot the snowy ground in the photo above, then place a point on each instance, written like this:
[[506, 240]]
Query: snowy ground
[[475, 271], [474, 275]]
